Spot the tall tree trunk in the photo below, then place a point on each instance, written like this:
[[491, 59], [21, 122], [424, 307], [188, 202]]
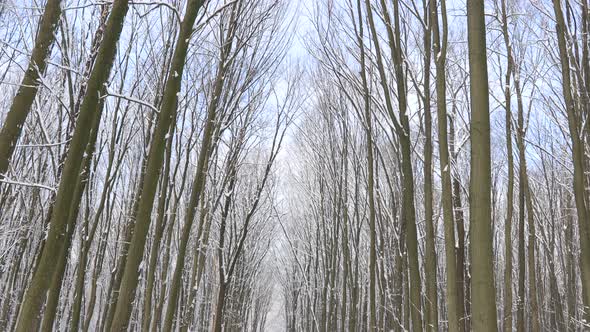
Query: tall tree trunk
[[167, 115], [482, 274], [221, 266], [431, 300], [525, 196], [578, 158], [62, 259], [197, 189], [370, 178], [201, 169], [22, 102], [408, 215], [347, 314], [510, 190], [408, 208], [455, 307], [55, 288], [35, 296]]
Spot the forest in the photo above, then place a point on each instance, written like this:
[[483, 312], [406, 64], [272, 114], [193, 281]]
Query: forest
[[295, 165]]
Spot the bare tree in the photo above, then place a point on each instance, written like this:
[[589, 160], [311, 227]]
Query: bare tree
[[22, 102], [482, 283]]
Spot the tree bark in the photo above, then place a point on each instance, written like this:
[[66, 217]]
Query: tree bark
[[430, 271], [482, 274], [510, 189]]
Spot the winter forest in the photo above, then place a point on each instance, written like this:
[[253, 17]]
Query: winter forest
[[294, 165]]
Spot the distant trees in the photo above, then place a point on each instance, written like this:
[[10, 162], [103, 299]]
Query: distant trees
[[353, 70]]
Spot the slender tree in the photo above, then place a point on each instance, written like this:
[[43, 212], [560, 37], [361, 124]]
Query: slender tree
[[430, 258], [370, 176], [155, 157], [573, 118], [402, 127], [23, 101], [88, 116], [454, 306], [200, 176], [508, 318]]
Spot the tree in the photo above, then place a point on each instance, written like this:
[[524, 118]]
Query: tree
[[508, 317], [370, 177], [153, 167], [454, 305], [88, 117], [22, 102], [402, 127], [431, 301], [483, 292], [200, 176], [574, 109]]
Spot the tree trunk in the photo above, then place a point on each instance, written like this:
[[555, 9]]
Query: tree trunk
[[455, 307], [22, 102], [510, 190], [160, 226], [201, 169], [482, 277], [431, 300], [154, 166], [35, 296], [370, 179], [578, 159], [532, 275], [218, 318]]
